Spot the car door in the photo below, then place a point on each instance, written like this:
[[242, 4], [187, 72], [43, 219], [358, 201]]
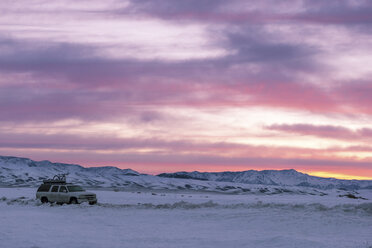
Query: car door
[[53, 195], [63, 195]]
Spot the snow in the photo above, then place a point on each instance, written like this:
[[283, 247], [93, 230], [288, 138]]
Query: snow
[[163, 218], [229, 209]]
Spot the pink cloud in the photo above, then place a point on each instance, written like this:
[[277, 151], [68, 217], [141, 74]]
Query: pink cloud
[[172, 155], [355, 96]]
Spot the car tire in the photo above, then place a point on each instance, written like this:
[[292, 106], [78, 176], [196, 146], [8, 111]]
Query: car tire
[[73, 201], [44, 200]]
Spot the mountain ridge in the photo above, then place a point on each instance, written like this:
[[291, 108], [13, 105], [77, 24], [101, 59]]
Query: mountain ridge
[[287, 177], [18, 171]]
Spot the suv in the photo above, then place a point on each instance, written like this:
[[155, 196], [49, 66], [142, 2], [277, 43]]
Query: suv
[[57, 190]]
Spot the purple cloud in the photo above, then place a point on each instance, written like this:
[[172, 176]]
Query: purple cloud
[[325, 131], [344, 12]]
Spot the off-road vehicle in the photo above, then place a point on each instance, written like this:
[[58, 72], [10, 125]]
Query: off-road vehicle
[[57, 190]]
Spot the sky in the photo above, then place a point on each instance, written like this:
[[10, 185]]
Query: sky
[[207, 85]]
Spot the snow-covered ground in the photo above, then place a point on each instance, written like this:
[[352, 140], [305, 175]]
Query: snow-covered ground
[[191, 219]]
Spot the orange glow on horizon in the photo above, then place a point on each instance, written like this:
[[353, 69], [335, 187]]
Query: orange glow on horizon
[[161, 168], [337, 175]]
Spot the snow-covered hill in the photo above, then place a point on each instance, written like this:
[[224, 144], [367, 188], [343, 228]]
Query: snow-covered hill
[[273, 177], [26, 172], [15, 171]]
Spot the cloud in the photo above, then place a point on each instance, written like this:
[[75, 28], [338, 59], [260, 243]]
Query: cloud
[[345, 12], [154, 68], [72, 78], [262, 69], [356, 96], [325, 131], [157, 162], [156, 154], [177, 146], [168, 7], [75, 82]]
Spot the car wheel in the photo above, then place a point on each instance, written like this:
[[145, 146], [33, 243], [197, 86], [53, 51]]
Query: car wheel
[[92, 203], [44, 200], [73, 201]]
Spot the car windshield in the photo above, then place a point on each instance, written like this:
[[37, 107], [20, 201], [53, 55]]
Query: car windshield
[[75, 188]]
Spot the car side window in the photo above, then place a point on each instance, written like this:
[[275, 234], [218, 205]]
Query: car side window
[[63, 189], [55, 189], [44, 188]]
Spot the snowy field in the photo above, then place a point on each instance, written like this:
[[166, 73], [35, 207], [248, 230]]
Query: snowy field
[[192, 219]]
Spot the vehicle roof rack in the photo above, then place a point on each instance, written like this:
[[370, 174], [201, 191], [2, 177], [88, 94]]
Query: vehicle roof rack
[[51, 181], [57, 179]]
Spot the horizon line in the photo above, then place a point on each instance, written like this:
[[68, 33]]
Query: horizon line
[[320, 174]]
